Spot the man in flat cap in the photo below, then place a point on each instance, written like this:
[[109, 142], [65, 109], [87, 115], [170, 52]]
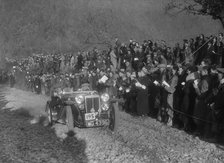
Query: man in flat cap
[[217, 105], [189, 98], [179, 96], [202, 89]]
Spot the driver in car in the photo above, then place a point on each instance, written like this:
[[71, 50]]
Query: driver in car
[[55, 99], [85, 84]]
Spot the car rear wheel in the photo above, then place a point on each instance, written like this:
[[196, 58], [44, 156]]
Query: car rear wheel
[[114, 117]]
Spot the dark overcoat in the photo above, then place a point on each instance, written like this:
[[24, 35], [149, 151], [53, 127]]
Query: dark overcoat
[[142, 97]]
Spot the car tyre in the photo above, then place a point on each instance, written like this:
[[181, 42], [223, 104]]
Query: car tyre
[[69, 118], [49, 114], [114, 117]]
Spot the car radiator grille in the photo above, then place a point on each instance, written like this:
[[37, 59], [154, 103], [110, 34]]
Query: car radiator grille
[[92, 102]]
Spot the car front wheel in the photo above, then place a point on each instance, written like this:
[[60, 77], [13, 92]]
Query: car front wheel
[[114, 117]]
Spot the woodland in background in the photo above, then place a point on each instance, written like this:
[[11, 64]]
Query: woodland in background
[[61, 26]]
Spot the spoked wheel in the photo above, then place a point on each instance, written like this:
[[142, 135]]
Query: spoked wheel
[[113, 125], [49, 114], [69, 118]]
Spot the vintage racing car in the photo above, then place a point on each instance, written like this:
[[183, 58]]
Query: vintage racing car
[[83, 108]]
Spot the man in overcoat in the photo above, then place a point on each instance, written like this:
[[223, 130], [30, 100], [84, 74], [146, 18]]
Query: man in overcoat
[[142, 93]]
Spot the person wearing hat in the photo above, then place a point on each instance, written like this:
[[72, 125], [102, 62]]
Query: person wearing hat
[[170, 87], [128, 66], [178, 96], [126, 91], [135, 60], [12, 79], [214, 78], [143, 93], [123, 53], [47, 84], [122, 83], [149, 60], [93, 80], [210, 53], [169, 55], [84, 76], [157, 74], [131, 94], [221, 48], [189, 58], [217, 105], [188, 103], [111, 84], [199, 56], [113, 59], [80, 61], [162, 58], [203, 89]]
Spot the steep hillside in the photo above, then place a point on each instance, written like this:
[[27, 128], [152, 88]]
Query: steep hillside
[[69, 25]]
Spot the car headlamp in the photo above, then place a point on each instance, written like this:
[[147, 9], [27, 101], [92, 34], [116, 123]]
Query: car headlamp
[[105, 97], [105, 107], [79, 99], [81, 106]]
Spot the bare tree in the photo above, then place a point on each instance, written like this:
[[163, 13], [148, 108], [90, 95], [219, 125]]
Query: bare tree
[[214, 8]]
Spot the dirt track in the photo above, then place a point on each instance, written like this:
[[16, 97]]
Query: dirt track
[[22, 142], [137, 139]]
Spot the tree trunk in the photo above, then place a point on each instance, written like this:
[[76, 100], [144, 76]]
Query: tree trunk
[[222, 18]]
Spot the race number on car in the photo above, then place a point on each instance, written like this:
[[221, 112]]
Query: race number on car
[[90, 116]]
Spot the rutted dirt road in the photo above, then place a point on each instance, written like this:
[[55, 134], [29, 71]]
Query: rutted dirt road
[[137, 139]]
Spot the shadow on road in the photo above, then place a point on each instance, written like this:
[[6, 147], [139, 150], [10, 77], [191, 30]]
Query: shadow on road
[[36, 143], [23, 112], [76, 148]]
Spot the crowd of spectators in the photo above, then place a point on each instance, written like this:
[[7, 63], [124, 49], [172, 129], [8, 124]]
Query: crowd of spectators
[[181, 86]]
